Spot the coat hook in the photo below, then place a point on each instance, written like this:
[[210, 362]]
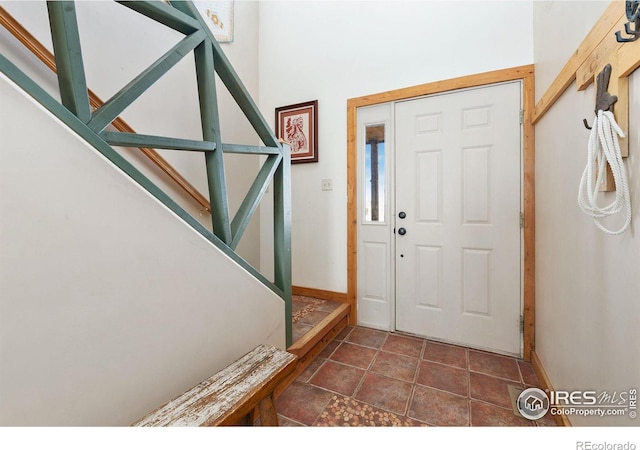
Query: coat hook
[[632, 10], [604, 100]]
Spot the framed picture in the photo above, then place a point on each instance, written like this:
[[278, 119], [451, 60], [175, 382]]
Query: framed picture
[[298, 126], [218, 14]]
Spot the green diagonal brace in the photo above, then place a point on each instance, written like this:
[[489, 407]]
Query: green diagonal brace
[[134, 89], [253, 197], [165, 14], [232, 81], [211, 132], [68, 54]]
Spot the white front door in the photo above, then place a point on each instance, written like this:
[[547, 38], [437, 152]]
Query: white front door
[[457, 217]]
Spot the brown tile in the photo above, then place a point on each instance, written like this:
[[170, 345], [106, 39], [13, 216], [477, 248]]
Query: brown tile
[[310, 370], [286, 422], [446, 378], [395, 366], [313, 317], [403, 345], [338, 377], [328, 350], [367, 337], [490, 364], [344, 333], [445, 354], [297, 304], [347, 412], [439, 408], [490, 389], [329, 306], [528, 375], [485, 415], [302, 402], [355, 355], [299, 330], [386, 393]]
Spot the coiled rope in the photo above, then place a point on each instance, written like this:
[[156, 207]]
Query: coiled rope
[[604, 148]]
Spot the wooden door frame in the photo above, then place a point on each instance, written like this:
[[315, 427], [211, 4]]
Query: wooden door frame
[[522, 73]]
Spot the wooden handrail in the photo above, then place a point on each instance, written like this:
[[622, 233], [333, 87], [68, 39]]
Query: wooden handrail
[[44, 55]]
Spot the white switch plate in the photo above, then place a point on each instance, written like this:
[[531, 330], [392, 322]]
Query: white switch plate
[[327, 184]]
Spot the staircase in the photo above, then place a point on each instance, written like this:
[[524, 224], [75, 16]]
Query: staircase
[[76, 313]]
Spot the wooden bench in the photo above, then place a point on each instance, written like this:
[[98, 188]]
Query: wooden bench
[[233, 396]]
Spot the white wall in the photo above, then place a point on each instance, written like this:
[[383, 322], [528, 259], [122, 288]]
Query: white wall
[[110, 305], [117, 45], [335, 50], [587, 284]]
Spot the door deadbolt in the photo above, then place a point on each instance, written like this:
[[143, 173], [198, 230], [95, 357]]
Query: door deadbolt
[[402, 214], [402, 231]]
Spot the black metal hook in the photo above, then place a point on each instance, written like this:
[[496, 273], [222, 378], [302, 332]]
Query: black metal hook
[[632, 10]]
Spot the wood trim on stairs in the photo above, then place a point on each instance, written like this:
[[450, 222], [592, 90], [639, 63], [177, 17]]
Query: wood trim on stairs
[[319, 293], [309, 347]]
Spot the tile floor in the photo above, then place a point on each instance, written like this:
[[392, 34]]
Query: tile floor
[[308, 312], [367, 377]]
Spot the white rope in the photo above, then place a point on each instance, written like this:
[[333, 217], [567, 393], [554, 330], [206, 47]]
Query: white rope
[[604, 148]]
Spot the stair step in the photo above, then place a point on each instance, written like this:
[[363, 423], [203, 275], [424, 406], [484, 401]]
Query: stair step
[[315, 340]]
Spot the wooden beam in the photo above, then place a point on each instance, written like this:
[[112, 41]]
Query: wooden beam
[[231, 80], [144, 140], [68, 56], [611, 20], [529, 210], [165, 14], [210, 122], [253, 198], [352, 210], [319, 293], [495, 76], [628, 59], [250, 149], [134, 89], [282, 235]]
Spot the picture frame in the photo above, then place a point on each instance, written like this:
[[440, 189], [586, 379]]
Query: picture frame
[[297, 125], [218, 15]]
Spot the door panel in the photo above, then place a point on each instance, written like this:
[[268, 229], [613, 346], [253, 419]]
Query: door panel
[[458, 182], [375, 223]]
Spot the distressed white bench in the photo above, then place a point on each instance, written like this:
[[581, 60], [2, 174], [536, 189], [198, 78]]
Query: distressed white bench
[[232, 396]]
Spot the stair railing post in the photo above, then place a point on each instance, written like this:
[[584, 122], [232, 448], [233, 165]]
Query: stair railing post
[[205, 72], [282, 235], [68, 55]]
